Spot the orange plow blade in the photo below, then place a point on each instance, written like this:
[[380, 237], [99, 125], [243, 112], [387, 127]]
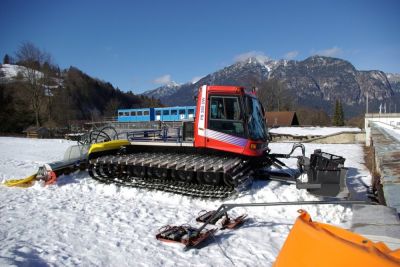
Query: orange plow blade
[[316, 244]]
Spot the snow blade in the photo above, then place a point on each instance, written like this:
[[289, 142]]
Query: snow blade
[[185, 234], [225, 222]]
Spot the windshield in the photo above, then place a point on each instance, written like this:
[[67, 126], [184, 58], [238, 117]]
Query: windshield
[[255, 122]]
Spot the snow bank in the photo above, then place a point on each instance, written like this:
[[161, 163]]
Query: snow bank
[[314, 131], [80, 222], [392, 130]]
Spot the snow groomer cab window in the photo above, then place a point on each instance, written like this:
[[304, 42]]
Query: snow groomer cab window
[[225, 115]]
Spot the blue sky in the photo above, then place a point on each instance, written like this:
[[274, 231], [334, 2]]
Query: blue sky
[[138, 45]]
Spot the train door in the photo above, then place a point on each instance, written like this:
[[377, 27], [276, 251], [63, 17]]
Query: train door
[[165, 115], [158, 114], [191, 113], [174, 115], [182, 114]]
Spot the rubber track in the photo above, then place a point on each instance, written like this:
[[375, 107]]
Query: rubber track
[[116, 169]]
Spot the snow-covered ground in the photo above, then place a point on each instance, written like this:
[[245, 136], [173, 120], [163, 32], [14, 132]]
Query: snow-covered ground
[[81, 222], [12, 71], [390, 129], [9, 73], [314, 131]]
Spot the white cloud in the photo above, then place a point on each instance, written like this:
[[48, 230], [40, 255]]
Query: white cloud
[[196, 79], [291, 55], [260, 56], [165, 79], [329, 52]]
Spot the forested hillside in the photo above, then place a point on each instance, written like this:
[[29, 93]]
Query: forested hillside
[[35, 92]]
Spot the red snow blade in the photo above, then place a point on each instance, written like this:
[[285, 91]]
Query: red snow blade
[[226, 222], [185, 234]]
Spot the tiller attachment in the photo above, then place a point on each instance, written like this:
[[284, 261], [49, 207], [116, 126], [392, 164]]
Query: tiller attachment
[[223, 219], [326, 175], [185, 234], [46, 174]]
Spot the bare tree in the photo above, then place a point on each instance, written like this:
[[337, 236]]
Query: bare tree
[[36, 80], [31, 56], [112, 107], [274, 95], [312, 116]]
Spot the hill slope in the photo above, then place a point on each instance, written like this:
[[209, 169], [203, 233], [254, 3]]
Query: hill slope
[[60, 98]]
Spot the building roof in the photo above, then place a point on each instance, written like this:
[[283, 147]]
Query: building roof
[[281, 118]]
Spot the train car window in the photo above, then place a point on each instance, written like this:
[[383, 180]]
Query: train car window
[[181, 112], [139, 113], [146, 113], [133, 113], [120, 113], [158, 112], [191, 111], [165, 112], [126, 113], [174, 112]]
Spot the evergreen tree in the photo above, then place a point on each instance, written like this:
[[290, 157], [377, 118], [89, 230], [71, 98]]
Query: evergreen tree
[[338, 116], [6, 59], [341, 115], [335, 121]]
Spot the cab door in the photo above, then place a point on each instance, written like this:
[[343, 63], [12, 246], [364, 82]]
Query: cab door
[[225, 124]]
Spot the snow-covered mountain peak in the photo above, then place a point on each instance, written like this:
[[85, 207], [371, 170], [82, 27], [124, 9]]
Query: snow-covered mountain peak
[[167, 89], [172, 84], [393, 77], [258, 60], [262, 60]]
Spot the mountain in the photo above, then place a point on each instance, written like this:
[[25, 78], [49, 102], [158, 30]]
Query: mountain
[[316, 81], [231, 75], [394, 80], [163, 91], [330, 79]]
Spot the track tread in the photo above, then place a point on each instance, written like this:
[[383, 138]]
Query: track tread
[[117, 169]]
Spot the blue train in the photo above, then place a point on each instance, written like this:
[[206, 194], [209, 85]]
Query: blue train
[[157, 114]]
